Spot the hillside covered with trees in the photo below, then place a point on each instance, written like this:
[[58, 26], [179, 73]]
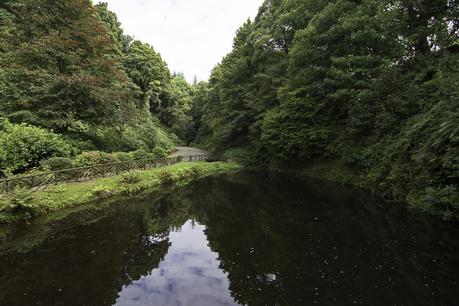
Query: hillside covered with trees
[[369, 87], [362, 91], [71, 81]]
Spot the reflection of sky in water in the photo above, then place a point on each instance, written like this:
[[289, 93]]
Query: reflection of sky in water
[[188, 275]]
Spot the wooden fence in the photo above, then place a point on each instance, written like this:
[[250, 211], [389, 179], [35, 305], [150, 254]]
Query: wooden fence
[[41, 181]]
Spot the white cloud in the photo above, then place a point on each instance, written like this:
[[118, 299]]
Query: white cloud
[[191, 35]]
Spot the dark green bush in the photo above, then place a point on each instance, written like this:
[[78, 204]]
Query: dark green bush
[[441, 201], [140, 155], [159, 152], [58, 163], [166, 178], [195, 171], [18, 206]]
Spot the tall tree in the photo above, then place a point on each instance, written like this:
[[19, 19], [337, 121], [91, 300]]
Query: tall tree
[[58, 75], [361, 83], [148, 71]]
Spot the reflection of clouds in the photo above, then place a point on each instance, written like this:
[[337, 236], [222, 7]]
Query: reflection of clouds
[[188, 275]]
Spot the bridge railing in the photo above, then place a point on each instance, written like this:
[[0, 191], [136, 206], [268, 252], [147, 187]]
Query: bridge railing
[[43, 180]]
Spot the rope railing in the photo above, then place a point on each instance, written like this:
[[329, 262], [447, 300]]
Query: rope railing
[[43, 180]]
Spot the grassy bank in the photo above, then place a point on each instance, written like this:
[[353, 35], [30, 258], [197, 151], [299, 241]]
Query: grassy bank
[[442, 203], [24, 205]]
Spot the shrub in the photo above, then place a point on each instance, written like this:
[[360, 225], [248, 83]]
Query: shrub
[[123, 156], [195, 171], [151, 156], [130, 178], [24, 146], [101, 192], [140, 155], [18, 206], [159, 152], [144, 134], [58, 163], [184, 173], [129, 140], [442, 201], [95, 158], [166, 178]]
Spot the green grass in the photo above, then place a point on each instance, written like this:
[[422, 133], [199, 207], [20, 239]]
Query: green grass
[[23, 205]]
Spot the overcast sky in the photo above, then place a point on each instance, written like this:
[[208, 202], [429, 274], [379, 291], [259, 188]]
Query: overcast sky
[[191, 35]]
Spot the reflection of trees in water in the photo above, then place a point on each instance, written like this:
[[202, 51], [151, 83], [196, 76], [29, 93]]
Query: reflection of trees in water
[[292, 242], [281, 241], [89, 264]]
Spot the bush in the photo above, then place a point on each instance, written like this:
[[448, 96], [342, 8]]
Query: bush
[[140, 155], [18, 206], [101, 192], [441, 201], [130, 178], [166, 178], [58, 163], [159, 152], [145, 134], [123, 156], [151, 156], [195, 171], [95, 158], [24, 146]]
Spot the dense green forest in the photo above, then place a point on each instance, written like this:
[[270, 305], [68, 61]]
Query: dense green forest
[[71, 81], [367, 86]]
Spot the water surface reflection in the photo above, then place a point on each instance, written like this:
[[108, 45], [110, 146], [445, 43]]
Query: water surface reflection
[[188, 275], [255, 239]]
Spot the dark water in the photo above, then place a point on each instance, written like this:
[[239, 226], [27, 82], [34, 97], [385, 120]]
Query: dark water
[[239, 240]]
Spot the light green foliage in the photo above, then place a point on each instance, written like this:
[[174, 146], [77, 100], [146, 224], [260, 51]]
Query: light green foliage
[[102, 192], [94, 158], [70, 195], [23, 146], [132, 177], [166, 178], [123, 156]]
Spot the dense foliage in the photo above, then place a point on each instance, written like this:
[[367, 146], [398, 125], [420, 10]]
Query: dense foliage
[[23, 147], [372, 84], [67, 66]]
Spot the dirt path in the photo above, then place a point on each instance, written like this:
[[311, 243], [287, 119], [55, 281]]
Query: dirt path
[[187, 151]]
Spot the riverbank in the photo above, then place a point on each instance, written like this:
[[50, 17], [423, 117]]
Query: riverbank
[[437, 200], [442, 203], [24, 205]]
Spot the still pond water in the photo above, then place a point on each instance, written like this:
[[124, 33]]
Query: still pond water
[[243, 239]]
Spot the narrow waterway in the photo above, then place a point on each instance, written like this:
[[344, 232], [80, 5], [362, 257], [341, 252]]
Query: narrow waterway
[[245, 239]]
